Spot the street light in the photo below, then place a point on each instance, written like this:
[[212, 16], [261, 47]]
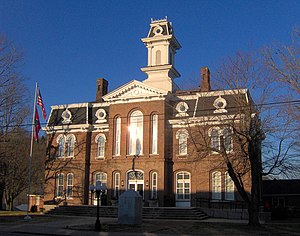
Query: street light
[[97, 190]]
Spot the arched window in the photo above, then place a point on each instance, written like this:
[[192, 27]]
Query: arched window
[[227, 139], [154, 127], [102, 178], [70, 145], [61, 146], [136, 133], [154, 185], [216, 186], [117, 136], [69, 191], [220, 137], [100, 140], [215, 139], [60, 185], [182, 136], [116, 184], [183, 183], [158, 57], [229, 187]]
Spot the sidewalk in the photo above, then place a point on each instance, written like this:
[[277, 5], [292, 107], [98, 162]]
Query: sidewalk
[[73, 225]]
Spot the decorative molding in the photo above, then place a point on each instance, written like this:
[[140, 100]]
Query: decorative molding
[[220, 104], [101, 114], [133, 90], [67, 116], [182, 108]]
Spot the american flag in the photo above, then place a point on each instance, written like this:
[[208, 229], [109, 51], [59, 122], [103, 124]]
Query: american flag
[[40, 103], [37, 125]]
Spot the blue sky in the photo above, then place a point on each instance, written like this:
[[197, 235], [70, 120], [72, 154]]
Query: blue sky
[[69, 44]]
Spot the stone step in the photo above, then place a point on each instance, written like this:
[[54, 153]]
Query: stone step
[[148, 212]]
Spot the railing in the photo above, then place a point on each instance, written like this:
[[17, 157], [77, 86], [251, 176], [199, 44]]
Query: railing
[[220, 204]]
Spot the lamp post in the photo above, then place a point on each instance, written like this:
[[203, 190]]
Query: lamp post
[[97, 189]]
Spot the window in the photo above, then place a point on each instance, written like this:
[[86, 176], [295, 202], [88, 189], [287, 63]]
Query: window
[[60, 185], [70, 145], [61, 146], [183, 182], [100, 140], [154, 185], [216, 186], [158, 57], [118, 136], [217, 136], [154, 125], [66, 145], [229, 187], [102, 177], [116, 184], [215, 139], [227, 139], [69, 192], [136, 133], [182, 136]]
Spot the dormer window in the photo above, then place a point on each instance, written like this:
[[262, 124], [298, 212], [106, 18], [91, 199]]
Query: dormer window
[[67, 116], [182, 109], [101, 115]]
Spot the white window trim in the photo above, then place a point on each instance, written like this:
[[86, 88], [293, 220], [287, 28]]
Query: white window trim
[[184, 181], [136, 129], [72, 185], [97, 142], [229, 188], [178, 136], [220, 134], [154, 185], [154, 139], [117, 136], [60, 185], [117, 180], [70, 136], [216, 189]]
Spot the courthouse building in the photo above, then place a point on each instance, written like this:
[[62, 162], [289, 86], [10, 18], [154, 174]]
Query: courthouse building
[[146, 135]]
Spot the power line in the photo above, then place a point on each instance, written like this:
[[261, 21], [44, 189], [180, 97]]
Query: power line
[[273, 104]]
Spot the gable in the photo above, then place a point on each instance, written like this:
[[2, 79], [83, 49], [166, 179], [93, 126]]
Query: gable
[[133, 90]]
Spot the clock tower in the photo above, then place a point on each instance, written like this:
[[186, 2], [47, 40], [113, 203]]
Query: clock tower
[[162, 46]]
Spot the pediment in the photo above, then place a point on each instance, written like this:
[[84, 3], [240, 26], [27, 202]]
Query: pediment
[[133, 90]]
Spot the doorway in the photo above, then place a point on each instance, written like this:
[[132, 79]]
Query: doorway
[[136, 181]]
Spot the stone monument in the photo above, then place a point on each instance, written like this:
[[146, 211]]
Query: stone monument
[[130, 208]]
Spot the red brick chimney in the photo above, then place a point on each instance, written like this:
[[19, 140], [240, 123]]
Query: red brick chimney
[[102, 86], [205, 83]]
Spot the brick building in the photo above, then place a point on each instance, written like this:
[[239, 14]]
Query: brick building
[[145, 136]]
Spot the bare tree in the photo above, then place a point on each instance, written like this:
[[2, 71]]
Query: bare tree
[[283, 63], [245, 126], [13, 103]]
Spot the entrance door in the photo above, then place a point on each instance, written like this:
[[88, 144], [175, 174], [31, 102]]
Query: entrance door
[[136, 182], [183, 189]]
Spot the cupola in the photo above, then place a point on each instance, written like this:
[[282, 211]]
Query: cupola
[[162, 46]]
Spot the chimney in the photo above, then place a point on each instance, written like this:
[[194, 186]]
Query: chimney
[[102, 86], [205, 83]]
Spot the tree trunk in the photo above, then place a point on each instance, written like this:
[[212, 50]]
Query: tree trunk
[[254, 149], [10, 203]]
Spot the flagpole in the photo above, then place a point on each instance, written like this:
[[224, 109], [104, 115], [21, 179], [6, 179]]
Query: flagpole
[[27, 217]]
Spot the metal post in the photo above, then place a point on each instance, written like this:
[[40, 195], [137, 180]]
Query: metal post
[[98, 224]]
